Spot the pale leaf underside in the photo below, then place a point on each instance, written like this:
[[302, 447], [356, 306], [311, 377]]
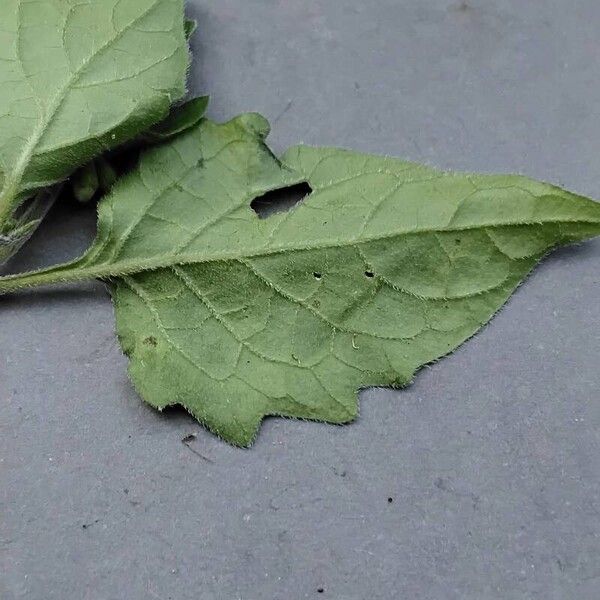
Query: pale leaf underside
[[386, 266], [78, 77]]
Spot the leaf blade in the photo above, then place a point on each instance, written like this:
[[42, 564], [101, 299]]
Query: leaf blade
[[385, 267], [291, 315], [79, 78]]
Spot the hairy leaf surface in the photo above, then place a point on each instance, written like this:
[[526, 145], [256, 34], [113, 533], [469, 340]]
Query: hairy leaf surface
[[78, 77], [98, 176], [387, 265]]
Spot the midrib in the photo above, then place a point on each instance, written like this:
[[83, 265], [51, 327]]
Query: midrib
[[12, 182], [166, 260], [78, 270]]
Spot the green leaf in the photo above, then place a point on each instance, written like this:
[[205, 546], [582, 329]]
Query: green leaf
[[86, 182], [100, 175], [190, 26], [26, 221], [78, 78], [180, 119], [386, 266], [107, 174]]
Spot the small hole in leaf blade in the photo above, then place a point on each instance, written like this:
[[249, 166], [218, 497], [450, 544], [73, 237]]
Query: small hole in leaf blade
[[317, 275], [369, 274], [280, 200]]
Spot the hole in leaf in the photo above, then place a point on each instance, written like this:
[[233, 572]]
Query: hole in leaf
[[317, 275], [280, 200], [369, 274]]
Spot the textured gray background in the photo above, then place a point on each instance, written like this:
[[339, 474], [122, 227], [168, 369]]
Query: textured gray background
[[492, 457]]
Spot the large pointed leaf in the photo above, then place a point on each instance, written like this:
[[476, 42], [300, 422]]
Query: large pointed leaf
[[78, 77], [386, 266]]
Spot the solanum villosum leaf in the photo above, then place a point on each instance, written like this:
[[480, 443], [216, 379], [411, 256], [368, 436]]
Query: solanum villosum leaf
[[78, 77], [385, 266]]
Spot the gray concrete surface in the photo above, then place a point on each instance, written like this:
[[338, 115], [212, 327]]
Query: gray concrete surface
[[492, 457]]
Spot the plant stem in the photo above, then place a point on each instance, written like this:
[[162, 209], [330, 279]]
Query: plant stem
[[66, 273]]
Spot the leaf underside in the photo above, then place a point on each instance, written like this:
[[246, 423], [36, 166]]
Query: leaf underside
[[78, 77], [386, 266], [97, 177]]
